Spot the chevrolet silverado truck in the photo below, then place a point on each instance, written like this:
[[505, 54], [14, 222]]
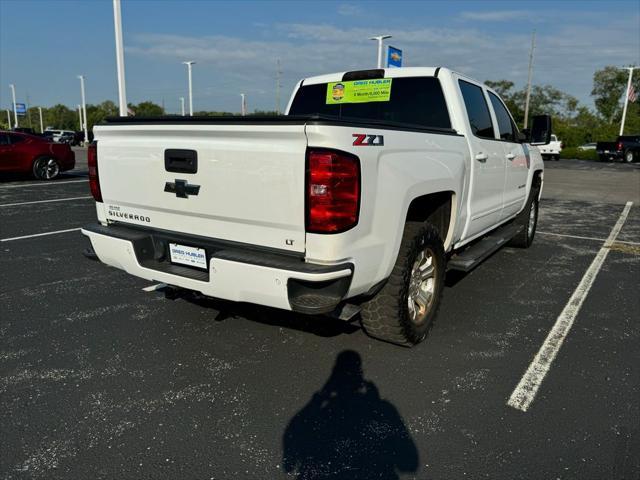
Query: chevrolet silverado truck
[[356, 201]]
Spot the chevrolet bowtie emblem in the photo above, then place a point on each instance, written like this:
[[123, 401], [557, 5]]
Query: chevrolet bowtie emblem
[[181, 188]]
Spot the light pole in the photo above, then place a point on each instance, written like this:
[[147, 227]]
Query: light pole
[[182, 105], [8, 119], [84, 108], [526, 101], [80, 116], [41, 124], [122, 90], [15, 109], [380, 38], [243, 106], [189, 64], [626, 99]]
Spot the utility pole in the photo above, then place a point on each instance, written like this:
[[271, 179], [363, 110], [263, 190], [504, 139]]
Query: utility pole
[[80, 116], [626, 99], [28, 110], [189, 64], [278, 86], [15, 109], [182, 105], [243, 106], [380, 38], [526, 102], [84, 109], [122, 89], [41, 124]]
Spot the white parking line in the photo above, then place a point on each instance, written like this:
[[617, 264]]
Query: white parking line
[[526, 390], [45, 201], [42, 184], [585, 238], [38, 235]]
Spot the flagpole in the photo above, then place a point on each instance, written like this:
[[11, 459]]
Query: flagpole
[[626, 100]]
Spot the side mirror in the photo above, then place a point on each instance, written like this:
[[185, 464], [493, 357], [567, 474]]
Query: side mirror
[[540, 130]]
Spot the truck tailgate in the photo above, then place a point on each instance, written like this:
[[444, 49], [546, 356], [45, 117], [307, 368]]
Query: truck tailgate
[[250, 177]]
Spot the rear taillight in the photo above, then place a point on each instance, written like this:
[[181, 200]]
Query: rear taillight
[[619, 146], [94, 181], [333, 191]]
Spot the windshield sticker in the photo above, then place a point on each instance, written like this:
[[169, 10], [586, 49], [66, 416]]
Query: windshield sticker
[[359, 91]]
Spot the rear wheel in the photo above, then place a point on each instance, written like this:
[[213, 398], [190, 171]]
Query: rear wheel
[[46, 168], [404, 310], [628, 156]]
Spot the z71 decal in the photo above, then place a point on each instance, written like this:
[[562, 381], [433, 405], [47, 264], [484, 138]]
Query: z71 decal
[[364, 140]]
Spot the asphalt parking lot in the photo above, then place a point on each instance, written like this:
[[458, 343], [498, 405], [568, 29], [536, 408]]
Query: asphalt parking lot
[[102, 379]]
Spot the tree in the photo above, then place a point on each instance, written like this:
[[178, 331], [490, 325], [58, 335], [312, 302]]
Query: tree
[[609, 85], [147, 109]]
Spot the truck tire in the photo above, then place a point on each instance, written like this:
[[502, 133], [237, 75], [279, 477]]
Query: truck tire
[[404, 310], [628, 156], [528, 219]]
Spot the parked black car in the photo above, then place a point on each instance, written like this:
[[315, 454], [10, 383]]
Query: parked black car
[[626, 148]]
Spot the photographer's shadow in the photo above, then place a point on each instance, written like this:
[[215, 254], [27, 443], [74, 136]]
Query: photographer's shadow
[[347, 431]]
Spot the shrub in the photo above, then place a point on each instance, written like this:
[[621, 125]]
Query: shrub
[[573, 152]]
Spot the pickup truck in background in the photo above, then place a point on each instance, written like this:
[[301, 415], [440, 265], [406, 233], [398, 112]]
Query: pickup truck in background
[[552, 150], [625, 148], [358, 200]]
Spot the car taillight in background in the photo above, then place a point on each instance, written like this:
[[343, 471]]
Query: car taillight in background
[[561, 146], [619, 146], [94, 181], [333, 191]]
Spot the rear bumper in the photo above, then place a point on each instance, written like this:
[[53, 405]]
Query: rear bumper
[[615, 154], [237, 272]]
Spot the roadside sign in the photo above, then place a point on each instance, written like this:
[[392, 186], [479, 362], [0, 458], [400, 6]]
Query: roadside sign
[[21, 109], [394, 57]]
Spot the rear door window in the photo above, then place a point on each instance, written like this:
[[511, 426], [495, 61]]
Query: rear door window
[[505, 124], [415, 101], [4, 139], [477, 110]]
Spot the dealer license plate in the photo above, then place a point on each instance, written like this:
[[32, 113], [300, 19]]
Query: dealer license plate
[[191, 256]]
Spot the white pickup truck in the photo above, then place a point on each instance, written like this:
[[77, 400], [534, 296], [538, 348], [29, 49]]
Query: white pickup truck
[[551, 151], [359, 199]]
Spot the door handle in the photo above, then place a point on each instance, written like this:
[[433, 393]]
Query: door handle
[[510, 156], [481, 157]]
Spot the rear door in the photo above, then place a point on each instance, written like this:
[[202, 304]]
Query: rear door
[[237, 182], [516, 161], [488, 161]]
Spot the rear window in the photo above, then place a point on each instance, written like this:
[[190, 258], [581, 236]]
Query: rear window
[[414, 100]]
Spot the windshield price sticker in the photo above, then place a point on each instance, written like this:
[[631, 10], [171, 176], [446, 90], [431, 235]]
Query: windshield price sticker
[[359, 91]]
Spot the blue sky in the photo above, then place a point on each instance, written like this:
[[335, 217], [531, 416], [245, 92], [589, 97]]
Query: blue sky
[[45, 44]]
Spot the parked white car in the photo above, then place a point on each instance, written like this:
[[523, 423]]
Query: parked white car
[[552, 150], [359, 199], [587, 146], [57, 134]]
